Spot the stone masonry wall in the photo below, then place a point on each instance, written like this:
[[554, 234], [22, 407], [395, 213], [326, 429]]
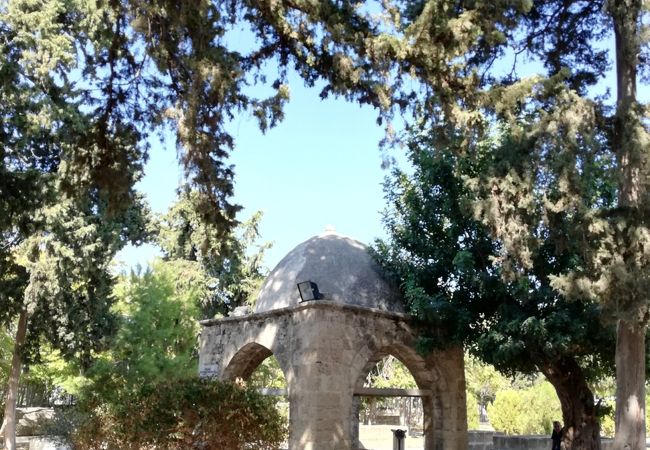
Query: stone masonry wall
[[325, 351]]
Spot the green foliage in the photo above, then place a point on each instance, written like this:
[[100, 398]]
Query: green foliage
[[438, 253], [607, 424], [464, 281], [83, 87], [233, 271], [472, 413], [69, 292], [483, 381], [455, 275], [6, 351], [530, 411], [181, 414], [390, 372], [57, 376], [158, 330], [268, 375], [506, 412]]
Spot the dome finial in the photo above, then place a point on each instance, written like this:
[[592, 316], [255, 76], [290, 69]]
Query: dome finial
[[330, 229]]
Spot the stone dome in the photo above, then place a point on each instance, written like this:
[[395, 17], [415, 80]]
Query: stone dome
[[341, 267]]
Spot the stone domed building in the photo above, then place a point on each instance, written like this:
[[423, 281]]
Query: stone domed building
[[326, 337]]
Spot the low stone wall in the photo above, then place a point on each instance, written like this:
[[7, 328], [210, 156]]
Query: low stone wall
[[490, 440], [480, 440], [535, 442]]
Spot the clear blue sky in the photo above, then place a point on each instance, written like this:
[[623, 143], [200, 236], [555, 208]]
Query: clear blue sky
[[320, 166]]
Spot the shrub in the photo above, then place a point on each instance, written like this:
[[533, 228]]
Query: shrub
[[472, 412], [506, 412], [607, 425], [186, 414], [527, 411]]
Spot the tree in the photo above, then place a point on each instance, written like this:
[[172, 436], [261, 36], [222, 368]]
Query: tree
[[155, 345], [483, 382], [83, 88], [456, 279], [445, 61], [524, 411], [66, 297], [157, 332], [233, 269]]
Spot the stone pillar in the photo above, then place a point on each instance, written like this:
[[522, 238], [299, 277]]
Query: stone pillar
[[449, 402], [320, 407], [321, 392], [354, 421]]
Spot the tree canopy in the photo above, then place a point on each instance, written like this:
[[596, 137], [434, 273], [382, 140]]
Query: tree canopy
[[85, 85], [233, 270], [459, 283]]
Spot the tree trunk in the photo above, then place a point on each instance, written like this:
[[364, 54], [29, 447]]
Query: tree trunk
[[9, 422], [632, 157], [581, 426], [630, 380]]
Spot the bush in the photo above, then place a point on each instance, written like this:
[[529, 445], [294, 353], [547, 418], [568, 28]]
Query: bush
[[607, 425], [506, 412], [186, 414], [472, 412], [527, 411], [542, 408]]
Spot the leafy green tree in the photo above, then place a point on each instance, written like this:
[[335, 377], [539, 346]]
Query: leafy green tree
[[456, 279], [507, 411], [66, 297], [483, 382], [268, 375], [83, 88], [473, 416], [143, 391]]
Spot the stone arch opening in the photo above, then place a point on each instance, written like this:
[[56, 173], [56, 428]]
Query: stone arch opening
[[389, 400], [246, 361], [398, 410], [268, 375], [407, 356], [409, 402], [257, 365]]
